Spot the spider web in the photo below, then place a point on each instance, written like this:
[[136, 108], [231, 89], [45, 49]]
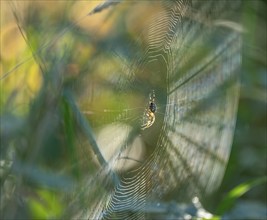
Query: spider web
[[193, 65], [191, 59]]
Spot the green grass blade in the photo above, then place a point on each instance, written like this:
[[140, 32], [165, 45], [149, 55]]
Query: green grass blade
[[237, 192]]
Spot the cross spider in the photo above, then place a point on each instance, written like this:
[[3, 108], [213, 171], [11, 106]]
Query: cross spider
[[149, 113]]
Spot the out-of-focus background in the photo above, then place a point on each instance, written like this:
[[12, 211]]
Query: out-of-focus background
[[52, 53]]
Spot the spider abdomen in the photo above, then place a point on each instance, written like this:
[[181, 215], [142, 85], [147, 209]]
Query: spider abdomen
[[152, 107]]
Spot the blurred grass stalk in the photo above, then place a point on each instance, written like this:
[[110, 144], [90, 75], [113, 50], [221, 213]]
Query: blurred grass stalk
[[231, 198]]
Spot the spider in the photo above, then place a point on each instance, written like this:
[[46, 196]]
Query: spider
[[149, 113]]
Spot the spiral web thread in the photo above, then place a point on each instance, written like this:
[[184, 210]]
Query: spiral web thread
[[194, 141]]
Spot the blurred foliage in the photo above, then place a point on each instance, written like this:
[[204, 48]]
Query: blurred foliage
[[248, 159], [229, 200], [44, 149], [46, 206]]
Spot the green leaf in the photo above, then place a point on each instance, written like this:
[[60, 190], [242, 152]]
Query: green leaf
[[237, 192], [46, 206]]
